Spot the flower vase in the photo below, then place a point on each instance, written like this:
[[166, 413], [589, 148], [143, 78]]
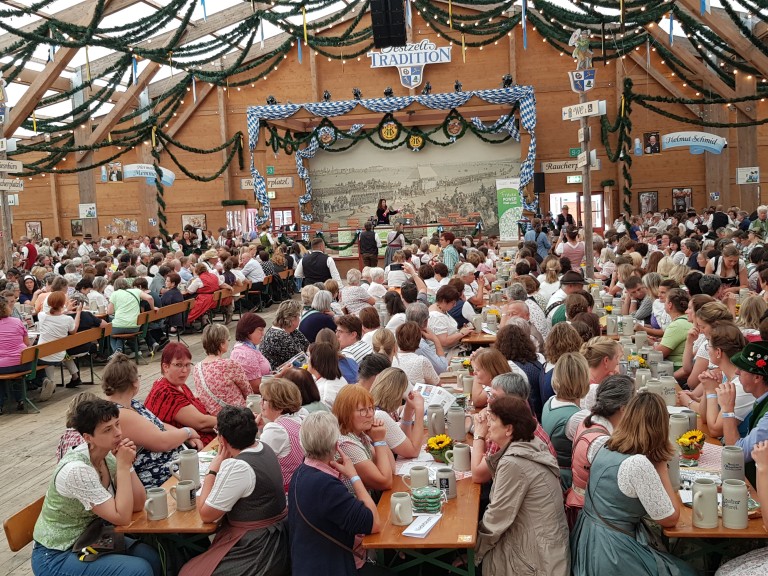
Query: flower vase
[[439, 455], [690, 457]]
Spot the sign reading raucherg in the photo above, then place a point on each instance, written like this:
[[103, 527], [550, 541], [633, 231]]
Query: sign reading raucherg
[[411, 59]]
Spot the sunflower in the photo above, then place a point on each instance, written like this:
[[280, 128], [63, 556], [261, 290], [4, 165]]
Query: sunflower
[[691, 439], [439, 443], [609, 309], [466, 363]]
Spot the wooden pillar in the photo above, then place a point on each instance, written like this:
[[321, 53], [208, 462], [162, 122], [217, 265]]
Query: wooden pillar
[[147, 193], [746, 196], [717, 166], [221, 97], [55, 207], [617, 196], [86, 179]]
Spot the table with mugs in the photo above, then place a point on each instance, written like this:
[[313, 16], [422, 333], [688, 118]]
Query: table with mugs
[[170, 511]]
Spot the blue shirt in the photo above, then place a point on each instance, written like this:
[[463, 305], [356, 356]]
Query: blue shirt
[[757, 434], [542, 242], [426, 349]]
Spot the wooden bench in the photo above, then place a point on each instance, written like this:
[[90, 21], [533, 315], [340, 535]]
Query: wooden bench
[[19, 527], [164, 312], [142, 323], [33, 354]]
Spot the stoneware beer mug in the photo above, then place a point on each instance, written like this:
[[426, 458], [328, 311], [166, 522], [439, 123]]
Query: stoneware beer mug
[[156, 504], [185, 494], [732, 463], [418, 477], [253, 403], [446, 481], [673, 466], [669, 389], [641, 339], [401, 509], [735, 504], [456, 363], [678, 425], [665, 368], [188, 467], [477, 322], [457, 423], [642, 376], [466, 382], [435, 420], [459, 457], [692, 418], [611, 326], [704, 503]]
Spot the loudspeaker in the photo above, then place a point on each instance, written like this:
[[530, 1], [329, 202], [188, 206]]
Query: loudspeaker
[[538, 183], [388, 23]]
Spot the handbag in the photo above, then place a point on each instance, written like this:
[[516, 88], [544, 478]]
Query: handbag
[[215, 398], [98, 539]]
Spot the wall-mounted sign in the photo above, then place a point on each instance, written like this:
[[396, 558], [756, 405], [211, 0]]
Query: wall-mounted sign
[[12, 166], [564, 166], [749, 175], [574, 152], [246, 183], [389, 131], [411, 59], [147, 171], [271, 194], [698, 142], [11, 184], [280, 182], [574, 179], [13, 199], [270, 170], [3, 144]]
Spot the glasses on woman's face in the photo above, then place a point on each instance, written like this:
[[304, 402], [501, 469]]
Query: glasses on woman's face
[[182, 366], [365, 411]]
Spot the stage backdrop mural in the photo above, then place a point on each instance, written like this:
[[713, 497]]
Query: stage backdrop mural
[[428, 184]]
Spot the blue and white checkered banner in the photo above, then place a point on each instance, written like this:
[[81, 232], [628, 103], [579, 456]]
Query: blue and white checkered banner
[[503, 124], [523, 95]]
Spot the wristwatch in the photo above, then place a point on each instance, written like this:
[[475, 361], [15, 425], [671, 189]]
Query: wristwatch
[[212, 473], [479, 437]]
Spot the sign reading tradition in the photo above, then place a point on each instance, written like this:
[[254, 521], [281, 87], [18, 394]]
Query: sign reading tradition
[[411, 59], [699, 142]]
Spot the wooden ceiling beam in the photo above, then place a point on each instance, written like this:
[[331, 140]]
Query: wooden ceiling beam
[[128, 100], [196, 30], [27, 76], [724, 27], [663, 81], [202, 92], [73, 15], [31, 97], [698, 67]]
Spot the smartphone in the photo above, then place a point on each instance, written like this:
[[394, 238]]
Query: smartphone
[[477, 274], [397, 266]]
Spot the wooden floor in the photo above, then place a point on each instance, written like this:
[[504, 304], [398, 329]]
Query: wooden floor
[[28, 445]]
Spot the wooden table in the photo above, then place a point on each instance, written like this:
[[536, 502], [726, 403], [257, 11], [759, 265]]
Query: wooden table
[[479, 339], [456, 530], [177, 523]]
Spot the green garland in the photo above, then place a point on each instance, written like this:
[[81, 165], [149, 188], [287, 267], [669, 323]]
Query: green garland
[[338, 247]]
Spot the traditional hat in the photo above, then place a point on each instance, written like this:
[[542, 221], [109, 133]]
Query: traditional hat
[[753, 358], [573, 277], [210, 254], [87, 237]]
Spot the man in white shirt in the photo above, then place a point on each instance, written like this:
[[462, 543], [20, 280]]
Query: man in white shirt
[[86, 248], [316, 266]]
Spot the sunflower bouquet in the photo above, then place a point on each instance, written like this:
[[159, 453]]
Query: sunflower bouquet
[[691, 443], [609, 309], [467, 365], [438, 445]]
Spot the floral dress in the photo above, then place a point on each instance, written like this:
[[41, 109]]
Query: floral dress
[[279, 346], [219, 383], [152, 467]]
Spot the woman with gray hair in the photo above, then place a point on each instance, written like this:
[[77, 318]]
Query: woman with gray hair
[[283, 340], [353, 296], [319, 316], [613, 395], [339, 514], [96, 295], [508, 384], [377, 289]]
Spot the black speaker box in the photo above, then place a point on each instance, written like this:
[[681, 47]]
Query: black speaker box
[[538, 183], [388, 23]]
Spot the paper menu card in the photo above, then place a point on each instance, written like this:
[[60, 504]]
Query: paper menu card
[[422, 525]]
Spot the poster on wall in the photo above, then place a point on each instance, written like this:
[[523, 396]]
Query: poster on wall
[[681, 199], [34, 230], [112, 172], [649, 202], [510, 207], [194, 220], [749, 175], [87, 210], [76, 227]]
